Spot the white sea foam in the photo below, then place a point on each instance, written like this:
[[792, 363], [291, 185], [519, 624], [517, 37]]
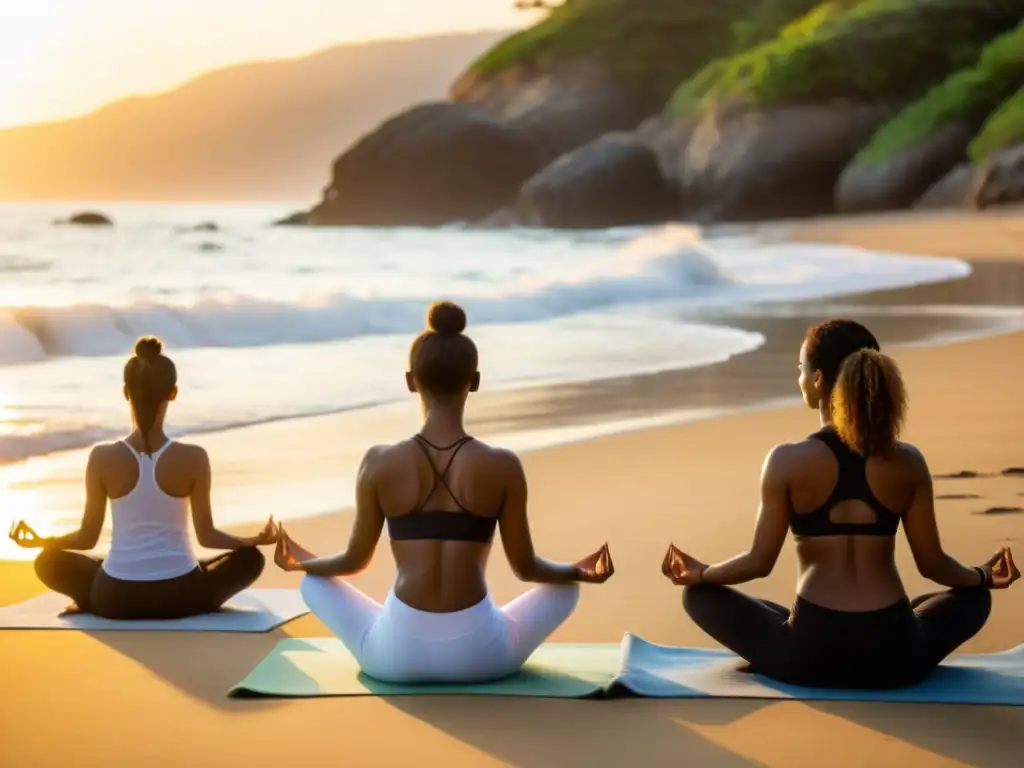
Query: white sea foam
[[292, 321]]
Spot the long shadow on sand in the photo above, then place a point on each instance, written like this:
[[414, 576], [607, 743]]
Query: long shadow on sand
[[976, 735], [546, 732], [722, 732], [203, 665]]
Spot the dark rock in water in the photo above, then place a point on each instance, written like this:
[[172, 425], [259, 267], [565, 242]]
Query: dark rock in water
[[90, 219], [564, 103], [951, 191], [435, 164], [206, 226], [613, 181], [296, 219], [899, 181], [750, 165], [999, 180]]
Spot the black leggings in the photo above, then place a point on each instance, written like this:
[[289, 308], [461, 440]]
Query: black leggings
[[203, 590], [815, 646]]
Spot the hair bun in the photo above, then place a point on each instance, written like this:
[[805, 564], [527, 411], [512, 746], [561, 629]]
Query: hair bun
[[446, 317], [148, 347]]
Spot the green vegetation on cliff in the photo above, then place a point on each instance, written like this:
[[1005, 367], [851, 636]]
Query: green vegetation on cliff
[[1003, 128], [651, 44], [866, 50], [967, 95]]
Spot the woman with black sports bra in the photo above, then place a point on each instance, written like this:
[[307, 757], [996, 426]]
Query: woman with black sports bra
[[843, 492], [442, 494]]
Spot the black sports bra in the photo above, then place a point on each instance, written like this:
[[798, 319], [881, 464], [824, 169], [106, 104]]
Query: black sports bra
[[445, 525], [851, 485]]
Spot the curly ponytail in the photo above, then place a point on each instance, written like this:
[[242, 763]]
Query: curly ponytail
[[869, 403]]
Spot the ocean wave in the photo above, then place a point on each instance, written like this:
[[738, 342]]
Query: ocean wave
[[670, 263], [10, 263]]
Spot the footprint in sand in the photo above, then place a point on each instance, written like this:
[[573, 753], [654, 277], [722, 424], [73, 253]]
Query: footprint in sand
[[1001, 511], [952, 496]]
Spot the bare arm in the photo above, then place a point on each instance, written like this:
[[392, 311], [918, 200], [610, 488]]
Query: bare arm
[[923, 535], [769, 530], [88, 533], [516, 538], [202, 510], [365, 531]]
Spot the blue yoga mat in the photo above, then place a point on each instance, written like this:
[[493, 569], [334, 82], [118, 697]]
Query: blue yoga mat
[[661, 671], [322, 667]]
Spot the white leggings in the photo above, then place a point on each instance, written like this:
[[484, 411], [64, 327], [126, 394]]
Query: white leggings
[[397, 643]]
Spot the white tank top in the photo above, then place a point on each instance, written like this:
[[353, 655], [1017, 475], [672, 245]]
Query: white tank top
[[150, 538]]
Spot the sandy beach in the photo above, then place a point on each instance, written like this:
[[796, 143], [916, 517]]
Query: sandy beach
[[146, 699]]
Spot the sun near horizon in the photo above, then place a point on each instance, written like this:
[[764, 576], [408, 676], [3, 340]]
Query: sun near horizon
[[63, 58]]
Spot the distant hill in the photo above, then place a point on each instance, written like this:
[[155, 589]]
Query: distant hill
[[259, 131]]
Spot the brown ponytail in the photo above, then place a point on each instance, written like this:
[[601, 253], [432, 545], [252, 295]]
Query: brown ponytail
[[869, 403], [150, 378]]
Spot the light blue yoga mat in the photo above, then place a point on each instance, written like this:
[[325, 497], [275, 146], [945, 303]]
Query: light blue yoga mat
[[252, 610], [662, 671], [323, 667]]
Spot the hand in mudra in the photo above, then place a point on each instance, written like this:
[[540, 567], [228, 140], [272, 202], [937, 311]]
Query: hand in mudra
[[269, 535], [680, 568], [289, 556], [596, 568], [21, 533], [1002, 570]]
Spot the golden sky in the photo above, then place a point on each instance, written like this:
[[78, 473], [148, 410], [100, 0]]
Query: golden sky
[[60, 58]]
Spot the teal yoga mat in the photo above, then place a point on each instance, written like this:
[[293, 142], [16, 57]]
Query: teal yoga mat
[[323, 667]]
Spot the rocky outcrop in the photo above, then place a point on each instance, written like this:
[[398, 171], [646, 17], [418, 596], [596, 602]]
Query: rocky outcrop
[[296, 219], [951, 191], [563, 104], [999, 180], [90, 219], [613, 181], [433, 164], [668, 139], [899, 181], [746, 165]]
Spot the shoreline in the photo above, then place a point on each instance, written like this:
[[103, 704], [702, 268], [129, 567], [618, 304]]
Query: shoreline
[[695, 484], [316, 477]]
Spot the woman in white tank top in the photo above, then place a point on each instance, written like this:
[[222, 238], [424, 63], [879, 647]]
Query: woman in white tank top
[[150, 482]]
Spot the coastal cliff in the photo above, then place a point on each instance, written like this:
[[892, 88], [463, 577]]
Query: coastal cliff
[[710, 110]]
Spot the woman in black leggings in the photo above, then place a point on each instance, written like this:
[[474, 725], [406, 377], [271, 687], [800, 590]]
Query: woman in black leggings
[[843, 491], [150, 482]]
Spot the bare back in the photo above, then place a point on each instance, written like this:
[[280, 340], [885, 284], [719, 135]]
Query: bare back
[[413, 478], [840, 568]]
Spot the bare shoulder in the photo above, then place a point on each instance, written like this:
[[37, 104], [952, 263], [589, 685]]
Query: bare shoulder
[[500, 459], [103, 453], [785, 457], [910, 459], [377, 456], [190, 454]]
